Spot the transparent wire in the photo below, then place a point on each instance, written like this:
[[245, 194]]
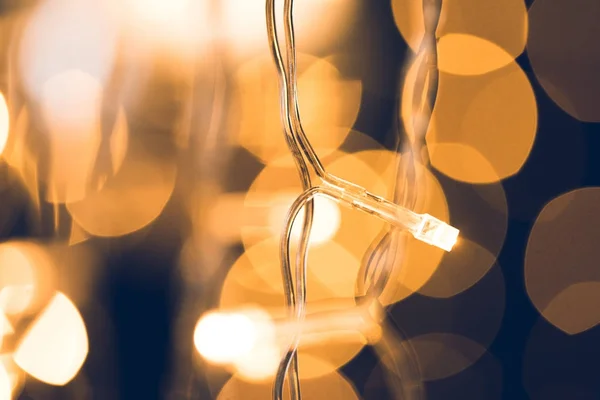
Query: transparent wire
[[386, 249], [295, 299], [338, 189], [382, 259]]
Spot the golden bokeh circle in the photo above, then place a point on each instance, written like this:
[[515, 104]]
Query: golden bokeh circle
[[483, 127], [278, 184], [256, 124], [561, 274], [130, 200], [257, 282], [475, 36]]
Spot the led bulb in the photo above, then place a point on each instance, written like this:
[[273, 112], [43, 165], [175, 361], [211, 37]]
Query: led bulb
[[436, 232], [423, 227]]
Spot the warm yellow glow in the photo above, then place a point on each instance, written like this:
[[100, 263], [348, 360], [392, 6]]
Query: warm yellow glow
[[260, 365], [158, 11], [71, 150], [223, 338], [63, 35], [15, 299], [16, 155], [16, 377], [477, 24], [4, 123], [182, 27], [248, 283], [129, 201], [332, 386], [246, 341], [269, 195], [462, 54], [17, 277], [25, 276], [319, 23], [483, 126], [325, 224], [5, 326], [407, 111], [71, 103], [5, 384], [462, 162], [337, 280], [562, 278], [261, 215], [420, 260], [77, 235], [565, 61], [320, 87], [56, 345]]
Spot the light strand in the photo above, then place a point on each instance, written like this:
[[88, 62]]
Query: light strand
[[423, 227]]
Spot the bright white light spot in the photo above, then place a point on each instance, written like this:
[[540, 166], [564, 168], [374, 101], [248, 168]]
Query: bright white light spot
[[71, 102], [158, 11], [223, 338], [317, 22], [326, 221], [5, 384], [56, 345], [16, 298], [4, 122], [63, 35], [244, 340], [260, 364]]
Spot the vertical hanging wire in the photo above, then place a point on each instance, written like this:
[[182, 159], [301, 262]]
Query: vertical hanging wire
[[383, 254], [375, 278], [295, 298], [381, 261]]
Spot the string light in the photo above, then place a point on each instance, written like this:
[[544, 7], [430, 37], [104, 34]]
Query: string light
[[426, 228], [423, 227], [229, 338]]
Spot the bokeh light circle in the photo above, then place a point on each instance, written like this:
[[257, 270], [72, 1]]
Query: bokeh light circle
[[56, 344], [566, 60], [26, 277], [257, 126], [475, 36], [418, 261], [483, 127], [319, 24], [130, 200], [278, 183], [449, 335], [255, 280], [561, 274], [63, 35]]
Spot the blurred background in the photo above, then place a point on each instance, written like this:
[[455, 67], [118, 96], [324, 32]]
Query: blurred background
[[144, 181]]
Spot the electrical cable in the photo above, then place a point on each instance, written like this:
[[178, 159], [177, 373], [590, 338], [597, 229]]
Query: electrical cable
[[423, 227]]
